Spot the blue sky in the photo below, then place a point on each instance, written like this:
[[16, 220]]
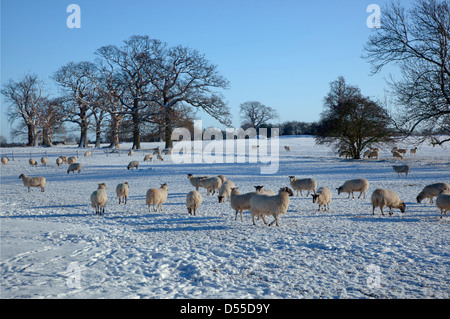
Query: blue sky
[[282, 53]]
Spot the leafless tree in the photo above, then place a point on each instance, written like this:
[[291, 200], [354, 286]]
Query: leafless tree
[[51, 118], [418, 42], [254, 114], [26, 98], [75, 80]]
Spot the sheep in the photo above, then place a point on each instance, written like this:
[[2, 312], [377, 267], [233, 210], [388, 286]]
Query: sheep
[[211, 184], [261, 190], [59, 161], [360, 185], [322, 197], [63, 158], [443, 202], [157, 151], [88, 154], [345, 153], [168, 151], [402, 151], [37, 181], [32, 162], [131, 153], [157, 197], [374, 153], [396, 154], [148, 157], [44, 161], [74, 167], [413, 151], [287, 148], [4, 161], [307, 184], [274, 205], [240, 202], [432, 190], [401, 169], [384, 197], [223, 178], [132, 164], [122, 192], [99, 199], [195, 180], [225, 190], [193, 201], [159, 156], [71, 160]]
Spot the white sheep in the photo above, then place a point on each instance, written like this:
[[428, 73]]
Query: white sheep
[[4, 161], [386, 198], [74, 167], [122, 190], [413, 151], [59, 161], [360, 185], [223, 178], [63, 158], [195, 180], [157, 197], [396, 154], [37, 181], [71, 160], [274, 205], [32, 162], [159, 156], [260, 190], [131, 153], [240, 202], [88, 154], [99, 199], [322, 197], [307, 184], [401, 169], [225, 190], [157, 151], [443, 203], [44, 161], [148, 157], [432, 190], [193, 201], [133, 164], [374, 153], [211, 184]]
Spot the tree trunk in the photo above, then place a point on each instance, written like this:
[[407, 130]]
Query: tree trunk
[[136, 131], [45, 137], [30, 135], [98, 133], [168, 129], [83, 133], [114, 130]]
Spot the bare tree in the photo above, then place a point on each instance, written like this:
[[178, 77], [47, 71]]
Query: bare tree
[[418, 41], [51, 118], [26, 98], [352, 121], [254, 114], [75, 80], [131, 64], [181, 75]]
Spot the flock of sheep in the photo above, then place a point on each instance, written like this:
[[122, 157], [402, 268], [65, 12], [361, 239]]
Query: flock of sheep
[[262, 202]]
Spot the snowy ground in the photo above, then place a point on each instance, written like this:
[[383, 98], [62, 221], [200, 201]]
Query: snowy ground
[[53, 246]]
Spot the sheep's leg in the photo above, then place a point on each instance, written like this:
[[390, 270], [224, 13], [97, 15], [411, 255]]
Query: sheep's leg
[[274, 221], [264, 220], [390, 210], [373, 210], [28, 189], [241, 214]]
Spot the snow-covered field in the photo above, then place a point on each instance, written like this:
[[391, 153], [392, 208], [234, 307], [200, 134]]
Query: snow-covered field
[[54, 246]]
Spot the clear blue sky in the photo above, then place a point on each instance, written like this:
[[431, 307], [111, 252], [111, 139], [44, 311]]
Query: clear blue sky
[[283, 53]]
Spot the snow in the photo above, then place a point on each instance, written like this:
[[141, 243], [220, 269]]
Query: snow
[[54, 246]]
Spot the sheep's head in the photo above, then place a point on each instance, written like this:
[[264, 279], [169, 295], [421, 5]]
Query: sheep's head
[[259, 188], [402, 207], [190, 176], [164, 186], [102, 186], [221, 198], [287, 190], [315, 196]]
